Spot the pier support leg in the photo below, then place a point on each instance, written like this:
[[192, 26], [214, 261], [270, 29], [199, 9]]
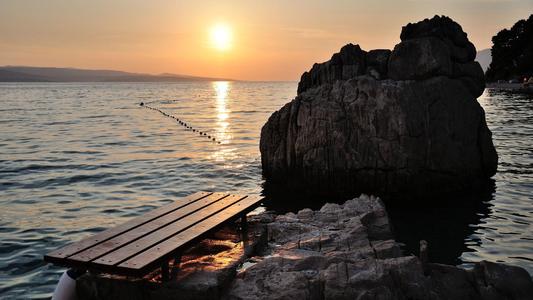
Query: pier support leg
[[424, 258], [176, 266], [244, 233], [165, 273]]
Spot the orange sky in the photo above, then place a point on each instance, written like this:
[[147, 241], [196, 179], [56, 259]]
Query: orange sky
[[272, 40]]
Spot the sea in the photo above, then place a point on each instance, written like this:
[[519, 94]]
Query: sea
[[77, 158]]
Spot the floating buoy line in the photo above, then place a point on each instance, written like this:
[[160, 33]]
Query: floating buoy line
[[181, 122]]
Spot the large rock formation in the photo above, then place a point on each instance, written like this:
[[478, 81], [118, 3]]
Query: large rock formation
[[401, 121]]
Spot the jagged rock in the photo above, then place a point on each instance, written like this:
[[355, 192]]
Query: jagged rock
[[416, 130], [448, 31], [420, 59], [343, 269], [439, 26], [349, 62], [377, 63]]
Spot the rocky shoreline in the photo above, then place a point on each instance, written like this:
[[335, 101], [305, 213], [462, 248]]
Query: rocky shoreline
[[342, 251], [348, 252]]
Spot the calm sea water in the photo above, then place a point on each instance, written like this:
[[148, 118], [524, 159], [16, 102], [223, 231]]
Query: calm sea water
[[78, 158]]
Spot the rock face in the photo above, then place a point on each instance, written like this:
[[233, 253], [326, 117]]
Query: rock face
[[385, 122]]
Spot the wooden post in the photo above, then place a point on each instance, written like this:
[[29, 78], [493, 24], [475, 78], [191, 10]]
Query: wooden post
[[165, 274], [244, 233], [176, 266], [424, 259]]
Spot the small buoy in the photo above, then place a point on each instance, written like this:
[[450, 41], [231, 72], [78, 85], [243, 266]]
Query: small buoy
[[213, 139], [142, 104], [66, 287], [208, 136]]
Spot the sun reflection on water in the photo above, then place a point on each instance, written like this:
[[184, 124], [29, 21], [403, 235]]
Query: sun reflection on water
[[221, 93], [223, 120]]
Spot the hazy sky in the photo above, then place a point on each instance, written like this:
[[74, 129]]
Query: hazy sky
[[271, 40]]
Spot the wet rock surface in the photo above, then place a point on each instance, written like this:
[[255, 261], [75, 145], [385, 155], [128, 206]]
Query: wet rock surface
[[385, 122]]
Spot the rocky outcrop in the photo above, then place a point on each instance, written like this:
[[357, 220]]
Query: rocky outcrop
[[346, 252], [385, 122], [348, 63]]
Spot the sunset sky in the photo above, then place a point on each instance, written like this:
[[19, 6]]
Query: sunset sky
[[249, 40]]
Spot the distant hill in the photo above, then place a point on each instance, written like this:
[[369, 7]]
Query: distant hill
[[11, 76], [45, 74], [484, 58]]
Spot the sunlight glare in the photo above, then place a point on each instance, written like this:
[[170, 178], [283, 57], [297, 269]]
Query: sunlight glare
[[221, 37], [223, 120], [222, 89]]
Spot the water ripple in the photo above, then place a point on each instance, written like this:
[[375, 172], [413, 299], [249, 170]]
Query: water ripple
[[71, 166]]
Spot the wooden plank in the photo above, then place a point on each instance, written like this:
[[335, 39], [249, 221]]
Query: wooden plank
[[150, 258], [58, 255], [163, 233], [145, 229]]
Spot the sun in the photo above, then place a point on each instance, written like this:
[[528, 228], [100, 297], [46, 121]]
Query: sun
[[221, 37]]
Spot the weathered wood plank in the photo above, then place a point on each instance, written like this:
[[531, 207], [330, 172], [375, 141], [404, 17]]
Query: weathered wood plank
[[57, 256], [150, 258], [163, 233], [147, 228]]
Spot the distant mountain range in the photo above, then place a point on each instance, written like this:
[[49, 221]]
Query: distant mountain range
[[484, 58], [45, 74]]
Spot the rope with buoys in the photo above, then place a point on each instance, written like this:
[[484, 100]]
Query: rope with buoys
[[181, 122]]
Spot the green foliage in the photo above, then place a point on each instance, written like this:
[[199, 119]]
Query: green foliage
[[512, 52]]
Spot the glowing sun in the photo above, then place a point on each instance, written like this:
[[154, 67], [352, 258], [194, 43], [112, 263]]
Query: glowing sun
[[221, 37]]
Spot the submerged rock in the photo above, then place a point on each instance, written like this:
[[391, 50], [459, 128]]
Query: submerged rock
[[384, 122]]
